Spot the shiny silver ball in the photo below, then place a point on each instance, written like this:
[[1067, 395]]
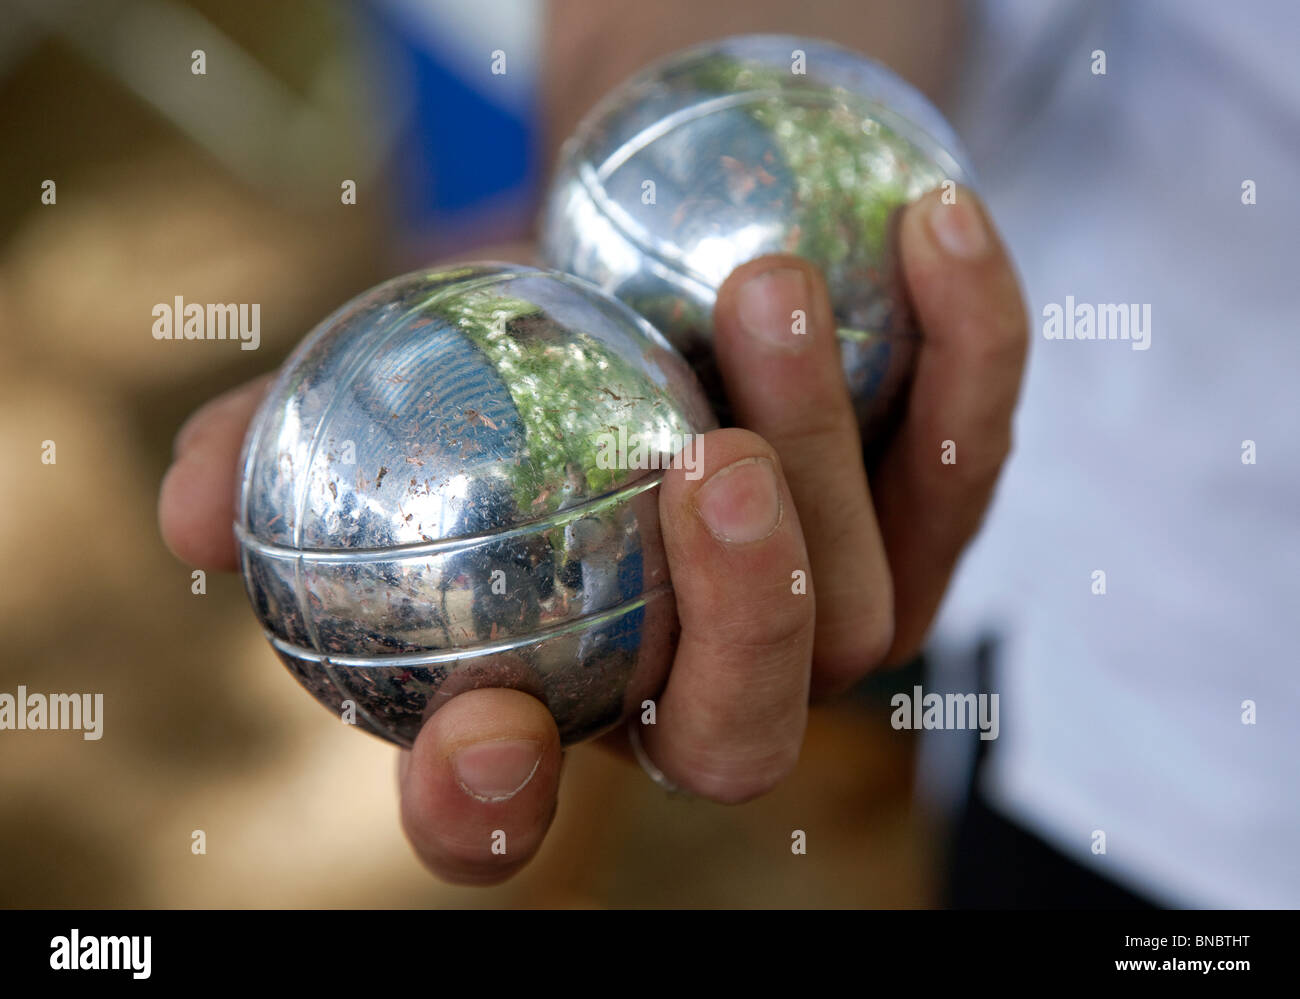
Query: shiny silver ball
[[743, 147], [430, 501]]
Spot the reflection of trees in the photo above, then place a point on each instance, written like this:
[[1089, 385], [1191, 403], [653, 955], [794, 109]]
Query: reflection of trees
[[568, 388], [846, 185]]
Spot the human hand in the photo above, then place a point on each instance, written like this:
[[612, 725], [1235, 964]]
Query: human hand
[[731, 718]]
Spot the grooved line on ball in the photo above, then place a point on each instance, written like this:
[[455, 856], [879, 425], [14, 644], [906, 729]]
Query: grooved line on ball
[[356, 367], [275, 394], [680, 117], [675, 270], [473, 651], [593, 180], [647, 328], [908, 129], [636, 235], [446, 545]]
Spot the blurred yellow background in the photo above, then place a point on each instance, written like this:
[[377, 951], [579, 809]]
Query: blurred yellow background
[[203, 728]]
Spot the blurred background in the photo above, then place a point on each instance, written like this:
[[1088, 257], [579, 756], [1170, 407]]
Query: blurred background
[[225, 187]]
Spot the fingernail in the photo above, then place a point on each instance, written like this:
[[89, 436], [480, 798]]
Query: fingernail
[[959, 228], [740, 503], [496, 771], [773, 308]]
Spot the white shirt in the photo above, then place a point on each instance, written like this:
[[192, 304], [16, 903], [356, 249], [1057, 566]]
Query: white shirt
[[1123, 712]]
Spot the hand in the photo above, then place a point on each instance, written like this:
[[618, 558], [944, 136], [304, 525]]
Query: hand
[[882, 554], [732, 717]]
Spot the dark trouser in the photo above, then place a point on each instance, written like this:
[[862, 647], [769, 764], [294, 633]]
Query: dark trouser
[[998, 864]]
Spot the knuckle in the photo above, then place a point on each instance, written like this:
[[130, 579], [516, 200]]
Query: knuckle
[[841, 663], [853, 630], [744, 779], [998, 341], [825, 427], [877, 642], [780, 621], [979, 475]]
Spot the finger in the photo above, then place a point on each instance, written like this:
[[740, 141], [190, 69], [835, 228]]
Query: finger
[[196, 502], [479, 787], [731, 720], [789, 388], [931, 495]]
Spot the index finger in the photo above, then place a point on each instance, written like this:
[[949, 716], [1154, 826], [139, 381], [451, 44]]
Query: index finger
[[196, 501]]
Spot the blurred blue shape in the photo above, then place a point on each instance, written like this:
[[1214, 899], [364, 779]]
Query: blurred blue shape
[[468, 143]]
